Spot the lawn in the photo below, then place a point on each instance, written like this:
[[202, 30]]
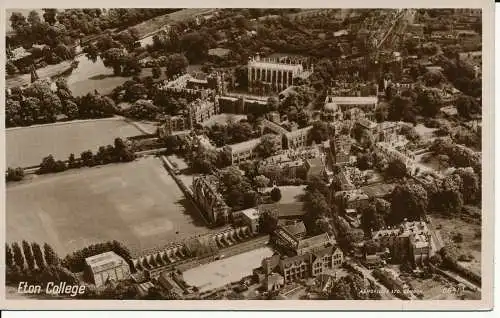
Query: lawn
[[156, 23], [137, 203], [26, 146], [425, 132], [471, 239], [219, 273], [290, 194]]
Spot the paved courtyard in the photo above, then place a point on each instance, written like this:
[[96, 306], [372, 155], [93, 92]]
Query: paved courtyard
[[225, 271]]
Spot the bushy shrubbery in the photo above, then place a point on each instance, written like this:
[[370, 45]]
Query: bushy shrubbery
[[16, 174], [119, 152]]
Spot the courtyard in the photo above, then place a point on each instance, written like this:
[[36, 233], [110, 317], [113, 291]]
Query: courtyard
[[136, 203], [223, 119]]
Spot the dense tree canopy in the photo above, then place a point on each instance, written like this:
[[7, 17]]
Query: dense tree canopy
[[408, 201]]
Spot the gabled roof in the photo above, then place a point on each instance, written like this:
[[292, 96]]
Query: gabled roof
[[322, 252], [312, 241], [295, 260], [295, 229], [286, 209]]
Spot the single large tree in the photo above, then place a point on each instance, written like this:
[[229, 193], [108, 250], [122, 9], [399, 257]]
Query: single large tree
[[471, 185], [268, 146], [409, 201], [18, 255], [50, 255], [195, 45], [38, 254], [430, 101], [28, 255], [34, 18], [49, 16], [276, 194], [467, 106], [396, 169], [261, 181], [114, 58], [9, 257], [176, 64]]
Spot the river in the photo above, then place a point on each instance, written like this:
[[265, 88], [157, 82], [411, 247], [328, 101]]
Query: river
[[87, 77]]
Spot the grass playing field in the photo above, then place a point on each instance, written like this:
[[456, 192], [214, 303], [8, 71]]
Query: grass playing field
[[156, 23], [136, 203], [27, 146]]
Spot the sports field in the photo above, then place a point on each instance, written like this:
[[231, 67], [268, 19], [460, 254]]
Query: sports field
[[152, 25], [137, 203], [26, 146]]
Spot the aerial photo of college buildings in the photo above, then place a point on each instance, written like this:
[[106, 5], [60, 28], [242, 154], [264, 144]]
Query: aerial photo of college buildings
[[257, 154]]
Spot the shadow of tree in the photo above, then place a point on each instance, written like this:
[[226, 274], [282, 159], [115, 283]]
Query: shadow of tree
[[188, 208], [101, 77]]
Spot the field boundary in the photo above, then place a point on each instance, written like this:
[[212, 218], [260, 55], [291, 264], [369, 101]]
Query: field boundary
[[68, 122], [185, 189]]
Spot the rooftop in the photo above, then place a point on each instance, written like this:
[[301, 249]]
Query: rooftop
[[354, 195], [355, 99], [104, 261], [314, 240], [378, 190], [295, 229], [297, 260], [366, 123], [252, 213], [449, 110], [257, 63], [221, 52], [245, 145], [287, 209]]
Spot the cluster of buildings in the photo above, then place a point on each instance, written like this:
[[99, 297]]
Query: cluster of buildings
[[300, 257], [293, 163], [411, 241], [197, 112], [392, 153], [248, 150], [203, 94]]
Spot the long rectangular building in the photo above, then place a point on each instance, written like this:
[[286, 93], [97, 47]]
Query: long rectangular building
[[275, 75]]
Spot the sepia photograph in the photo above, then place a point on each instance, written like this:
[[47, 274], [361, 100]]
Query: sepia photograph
[[257, 154]]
